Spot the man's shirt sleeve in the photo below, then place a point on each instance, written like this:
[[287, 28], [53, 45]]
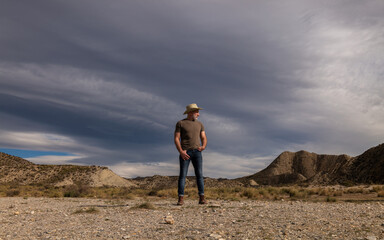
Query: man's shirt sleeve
[[178, 127]]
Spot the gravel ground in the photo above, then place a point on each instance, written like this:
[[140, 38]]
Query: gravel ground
[[74, 218]]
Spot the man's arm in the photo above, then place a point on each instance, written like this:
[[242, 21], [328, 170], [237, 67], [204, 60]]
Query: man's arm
[[183, 153], [203, 138]]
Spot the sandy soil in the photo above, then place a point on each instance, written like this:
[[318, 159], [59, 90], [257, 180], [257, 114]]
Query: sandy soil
[[73, 218]]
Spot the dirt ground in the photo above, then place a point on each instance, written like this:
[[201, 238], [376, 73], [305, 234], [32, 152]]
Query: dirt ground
[[80, 218]]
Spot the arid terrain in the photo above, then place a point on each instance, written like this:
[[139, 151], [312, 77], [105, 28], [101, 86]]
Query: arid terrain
[[79, 218], [299, 195]]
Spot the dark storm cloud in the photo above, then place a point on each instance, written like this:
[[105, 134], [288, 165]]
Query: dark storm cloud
[[110, 80]]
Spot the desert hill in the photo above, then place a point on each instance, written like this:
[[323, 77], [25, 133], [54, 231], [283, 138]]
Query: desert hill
[[287, 168], [302, 166], [312, 168], [368, 167], [21, 171]]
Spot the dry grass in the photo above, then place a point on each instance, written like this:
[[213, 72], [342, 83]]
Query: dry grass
[[320, 193], [380, 193]]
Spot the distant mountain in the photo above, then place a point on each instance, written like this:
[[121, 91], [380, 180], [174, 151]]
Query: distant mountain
[[21, 171], [312, 168], [287, 168]]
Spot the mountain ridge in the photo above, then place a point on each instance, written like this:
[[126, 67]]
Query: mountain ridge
[[313, 168], [300, 167], [24, 172]]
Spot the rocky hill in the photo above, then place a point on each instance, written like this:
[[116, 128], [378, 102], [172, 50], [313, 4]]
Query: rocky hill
[[21, 171], [368, 167], [287, 168], [302, 166], [312, 168]]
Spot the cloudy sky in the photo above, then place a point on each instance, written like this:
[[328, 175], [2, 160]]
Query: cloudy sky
[[104, 82]]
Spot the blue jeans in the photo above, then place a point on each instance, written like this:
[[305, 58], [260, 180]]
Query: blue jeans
[[197, 162]]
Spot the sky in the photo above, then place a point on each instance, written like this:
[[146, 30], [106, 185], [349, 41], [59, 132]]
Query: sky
[[96, 82]]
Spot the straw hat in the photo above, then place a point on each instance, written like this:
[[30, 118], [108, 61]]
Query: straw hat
[[191, 107]]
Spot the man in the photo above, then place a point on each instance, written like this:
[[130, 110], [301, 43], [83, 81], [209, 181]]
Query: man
[[188, 134]]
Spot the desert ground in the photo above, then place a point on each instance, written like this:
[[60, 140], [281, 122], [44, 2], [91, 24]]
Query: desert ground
[[156, 218]]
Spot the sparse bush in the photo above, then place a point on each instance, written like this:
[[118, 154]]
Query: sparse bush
[[313, 191], [354, 190], [337, 193], [377, 188], [324, 192], [12, 193], [380, 193], [237, 189], [331, 199], [76, 190], [168, 193], [290, 192], [222, 193], [152, 193], [191, 192], [250, 193], [272, 190]]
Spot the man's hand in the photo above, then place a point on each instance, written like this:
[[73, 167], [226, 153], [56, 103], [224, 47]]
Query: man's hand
[[184, 155], [201, 148]]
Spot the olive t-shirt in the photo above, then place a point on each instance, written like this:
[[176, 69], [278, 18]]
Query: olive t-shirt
[[189, 133]]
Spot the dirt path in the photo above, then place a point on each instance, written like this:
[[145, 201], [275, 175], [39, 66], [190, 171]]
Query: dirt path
[[73, 218]]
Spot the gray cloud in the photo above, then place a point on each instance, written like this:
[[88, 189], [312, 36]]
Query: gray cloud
[[109, 81]]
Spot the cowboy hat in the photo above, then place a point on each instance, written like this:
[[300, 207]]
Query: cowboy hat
[[191, 107]]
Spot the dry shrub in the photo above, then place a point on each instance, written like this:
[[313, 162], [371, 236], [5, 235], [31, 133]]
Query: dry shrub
[[325, 192], [250, 193], [12, 193], [76, 190], [314, 191], [354, 190], [167, 193], [264, 193], [138, 192], [377, 188], [337, 193], [366, 191], [191, 192], [223, 193], [122, 193], [290, 191]]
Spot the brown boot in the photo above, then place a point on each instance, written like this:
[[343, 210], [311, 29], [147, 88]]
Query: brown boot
[[202, 200], [181, 201]]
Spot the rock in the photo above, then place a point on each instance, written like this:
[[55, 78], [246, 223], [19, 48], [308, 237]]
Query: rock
[[370, 238], [215, 236], [253, 183], [169, 220]]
